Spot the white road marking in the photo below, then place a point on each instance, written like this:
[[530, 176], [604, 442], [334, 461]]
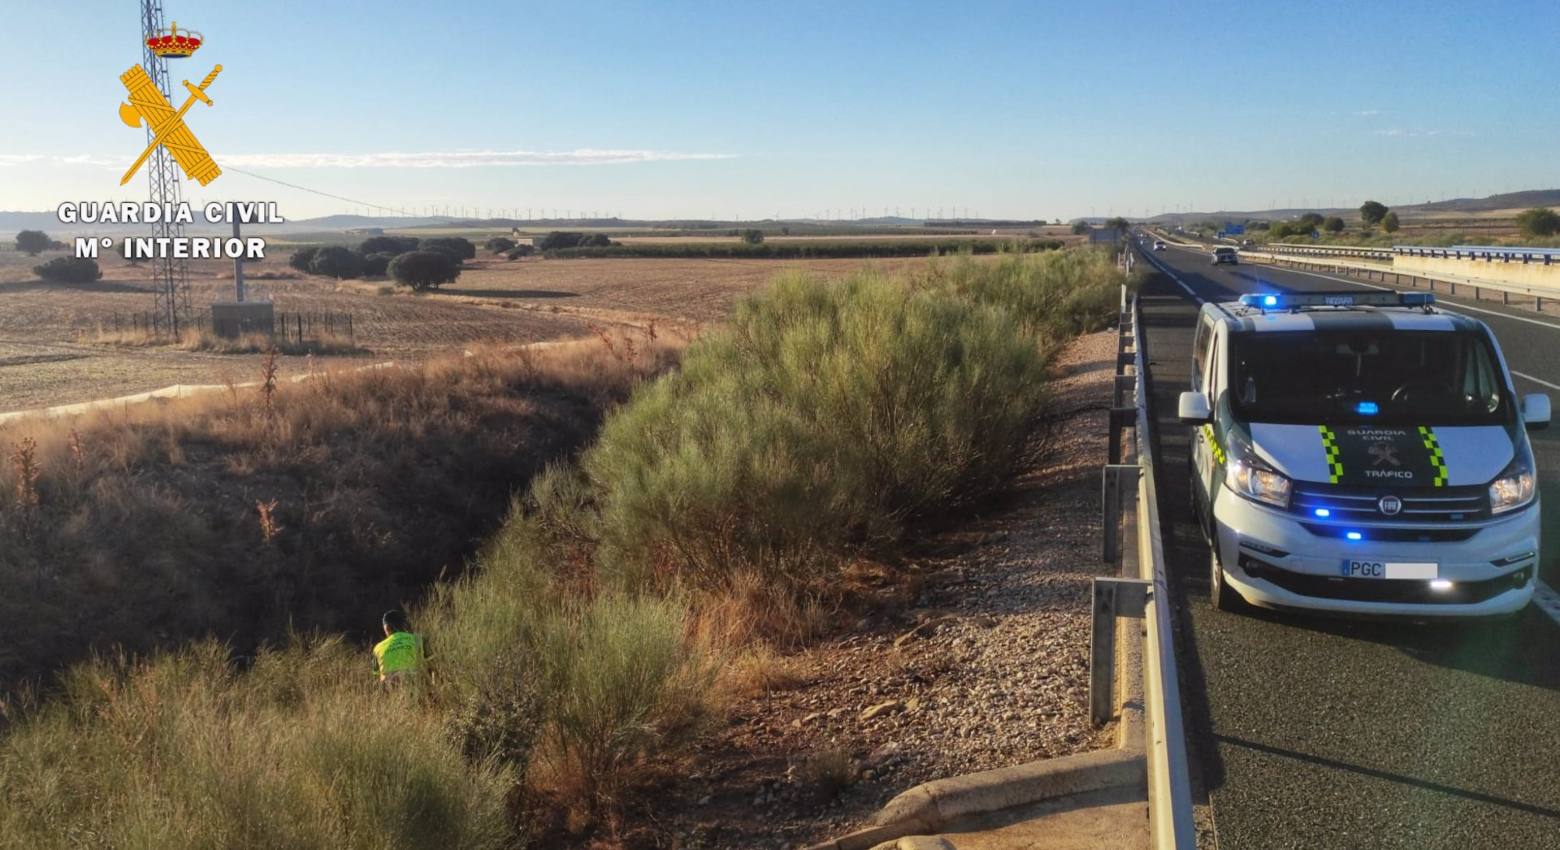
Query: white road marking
[[1539, 381], [1178, 282], [1547, 600]]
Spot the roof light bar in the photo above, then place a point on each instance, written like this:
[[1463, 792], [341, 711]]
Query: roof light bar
[[1297, 300]]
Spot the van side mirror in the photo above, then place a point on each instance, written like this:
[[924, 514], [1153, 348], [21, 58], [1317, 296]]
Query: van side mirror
[[1193, 408], [1535, 411]]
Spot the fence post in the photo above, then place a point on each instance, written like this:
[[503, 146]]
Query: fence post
[[1118, 482], [1113, 598]]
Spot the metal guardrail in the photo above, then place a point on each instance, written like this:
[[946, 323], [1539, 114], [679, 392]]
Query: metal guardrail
[[1326, 250], [1489, 253], [1415, 279], [1146, 596]]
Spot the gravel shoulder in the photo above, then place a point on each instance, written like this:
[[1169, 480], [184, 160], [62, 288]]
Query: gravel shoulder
[[982, 664]]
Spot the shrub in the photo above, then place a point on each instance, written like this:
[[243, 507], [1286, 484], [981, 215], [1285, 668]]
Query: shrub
[[1389, 222], [1540, 221], [753, 236], [519, 251], [391, 245], [559, 239], [1333, 224], [828, 413], [69, 270], [458, 247], [1372, 212], [424, 270], [498, 244], [302, 258], [32, 242], [304, 732], [377, 264], [337, 262]]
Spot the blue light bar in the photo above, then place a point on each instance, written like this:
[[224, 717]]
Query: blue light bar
[[1297, 300], [1354, 535], [1367, 408], [1322, 512]]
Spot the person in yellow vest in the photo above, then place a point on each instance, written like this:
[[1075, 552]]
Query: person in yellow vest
[[401, 653]]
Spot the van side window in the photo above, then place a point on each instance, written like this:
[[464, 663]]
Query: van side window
[[1211, 382], [1200, 353]]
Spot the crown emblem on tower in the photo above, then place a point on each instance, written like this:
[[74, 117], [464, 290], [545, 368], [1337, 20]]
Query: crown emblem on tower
[[174, 43]]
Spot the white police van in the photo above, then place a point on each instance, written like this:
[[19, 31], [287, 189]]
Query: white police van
[[1361, 453]]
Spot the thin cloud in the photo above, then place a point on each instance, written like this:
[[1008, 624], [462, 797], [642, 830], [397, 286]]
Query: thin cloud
[[436, 159], [1368, 113], [1412, 133]]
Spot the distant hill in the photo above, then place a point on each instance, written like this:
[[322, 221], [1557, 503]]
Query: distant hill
[[1506, 201]]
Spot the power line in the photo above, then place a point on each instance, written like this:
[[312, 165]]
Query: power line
[[316, 191]]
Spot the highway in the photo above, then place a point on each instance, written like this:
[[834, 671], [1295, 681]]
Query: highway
[[1308, 732]]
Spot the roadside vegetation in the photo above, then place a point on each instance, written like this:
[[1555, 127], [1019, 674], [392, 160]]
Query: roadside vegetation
[[727, 509]]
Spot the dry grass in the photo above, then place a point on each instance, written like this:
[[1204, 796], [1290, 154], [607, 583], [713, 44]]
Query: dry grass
[[224, 514]]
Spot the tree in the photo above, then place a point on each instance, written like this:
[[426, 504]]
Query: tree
[[301, 258], [1389, 222], [1372, 212], [499, 244], [69, 270], [519, 251], [387, 245], [1310, 221], [1118, 224], [377, 263], [424, 270], [337, 262], [753, 236], [458, 247], [1539, 221], [1080, 228], [31, 242], [1333, 224]]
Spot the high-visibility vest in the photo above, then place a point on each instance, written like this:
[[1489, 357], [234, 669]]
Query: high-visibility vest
[[400, 652]]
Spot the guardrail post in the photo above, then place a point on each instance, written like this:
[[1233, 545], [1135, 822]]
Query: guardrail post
[[1118, 482], [1112, 598]]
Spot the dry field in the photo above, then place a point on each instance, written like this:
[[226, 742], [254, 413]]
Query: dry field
[[48, 357]]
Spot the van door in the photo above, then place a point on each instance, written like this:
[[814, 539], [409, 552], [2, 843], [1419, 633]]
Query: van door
[[1206, 447]]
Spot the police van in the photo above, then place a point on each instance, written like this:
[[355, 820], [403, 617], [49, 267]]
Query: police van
[[1361, 453]]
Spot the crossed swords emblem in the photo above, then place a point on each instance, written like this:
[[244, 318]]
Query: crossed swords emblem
[[1384, 453], [148, 104]]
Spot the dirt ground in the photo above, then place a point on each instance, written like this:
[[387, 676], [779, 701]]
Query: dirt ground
[[48, 356], [986, 666]]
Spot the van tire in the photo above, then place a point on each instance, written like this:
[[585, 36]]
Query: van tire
[[1221, 595]]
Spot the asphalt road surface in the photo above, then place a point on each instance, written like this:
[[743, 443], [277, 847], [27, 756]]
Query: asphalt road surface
[[1308, 732]]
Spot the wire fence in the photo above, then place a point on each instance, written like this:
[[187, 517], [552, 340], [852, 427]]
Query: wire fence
[[297, 328]]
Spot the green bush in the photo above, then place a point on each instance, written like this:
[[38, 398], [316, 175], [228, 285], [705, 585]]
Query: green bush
[[69, 270], [301, 751], [458, 247], [519, 251], [498, 244], [377, 264], [302, 258], [753, 236], [391, 245], [424, 270], [830, 414], [1540, 221], [33, 242], [337, 262], [562, 239]]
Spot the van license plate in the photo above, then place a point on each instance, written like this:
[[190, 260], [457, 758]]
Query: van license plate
[[1355, 568]]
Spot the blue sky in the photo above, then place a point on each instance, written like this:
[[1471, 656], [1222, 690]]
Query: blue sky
[[732, 109]]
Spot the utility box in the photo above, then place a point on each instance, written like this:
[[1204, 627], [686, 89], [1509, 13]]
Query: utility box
[[233, 319]]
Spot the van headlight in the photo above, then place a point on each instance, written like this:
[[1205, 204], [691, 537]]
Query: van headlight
[[1515, 487], [1255, 480]]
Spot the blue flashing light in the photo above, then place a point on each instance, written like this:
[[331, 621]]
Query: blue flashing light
[[1367, 408], [1270, 301], [1354, 535], [1322, 512]]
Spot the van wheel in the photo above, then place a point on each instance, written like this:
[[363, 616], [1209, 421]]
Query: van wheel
[[1221, 595]]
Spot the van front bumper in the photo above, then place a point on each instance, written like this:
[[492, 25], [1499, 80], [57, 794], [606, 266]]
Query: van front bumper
[[1273, 561]]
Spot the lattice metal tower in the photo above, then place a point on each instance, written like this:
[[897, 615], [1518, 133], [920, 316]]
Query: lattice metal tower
[[170, 277]]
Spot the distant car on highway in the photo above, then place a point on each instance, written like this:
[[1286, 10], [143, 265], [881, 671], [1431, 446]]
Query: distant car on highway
[[1361, 453], [1159, 244], [1224, 254]]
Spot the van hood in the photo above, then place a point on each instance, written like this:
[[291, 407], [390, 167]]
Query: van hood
[[1385, 456]]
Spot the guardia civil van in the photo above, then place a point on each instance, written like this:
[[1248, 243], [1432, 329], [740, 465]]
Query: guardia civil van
[[1361, 453]]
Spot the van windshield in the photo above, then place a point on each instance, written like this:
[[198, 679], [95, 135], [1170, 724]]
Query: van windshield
[[1382, 377]]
